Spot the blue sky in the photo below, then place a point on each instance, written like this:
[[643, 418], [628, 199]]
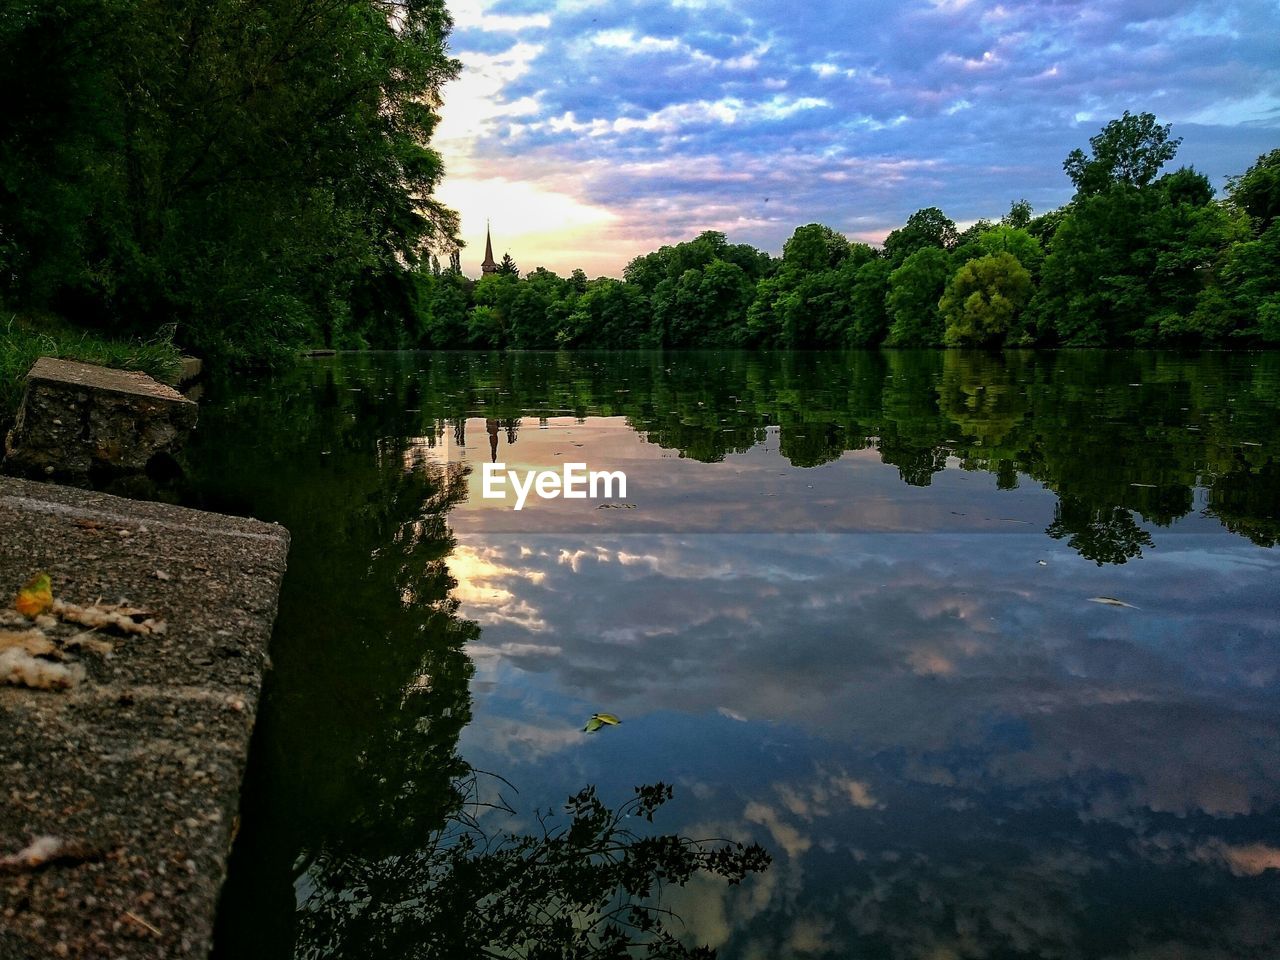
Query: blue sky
[[590, 132]]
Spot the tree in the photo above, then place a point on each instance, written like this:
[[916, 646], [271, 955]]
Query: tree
[[1019, 215], [442, 306], [610, 314], [1016, 241], [1257, 191], [814, 248], [983, 300], [912, 301], [485, 328], [929, 227], [870, 320], [245, 171], [1129, 152], [508, 268], [1093, 287]]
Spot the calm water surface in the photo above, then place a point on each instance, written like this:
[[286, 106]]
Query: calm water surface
[[846, 608]]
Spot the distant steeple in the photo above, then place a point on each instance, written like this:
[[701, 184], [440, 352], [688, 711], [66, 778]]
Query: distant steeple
[[490, 265]]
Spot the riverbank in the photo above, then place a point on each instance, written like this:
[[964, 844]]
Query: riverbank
[[24, 339], [123, 786]]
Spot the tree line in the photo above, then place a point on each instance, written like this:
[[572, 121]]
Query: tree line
[[252, 179], [1135, 259]]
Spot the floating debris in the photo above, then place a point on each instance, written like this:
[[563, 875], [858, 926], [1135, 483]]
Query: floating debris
[[1112, 602], [600, 720]]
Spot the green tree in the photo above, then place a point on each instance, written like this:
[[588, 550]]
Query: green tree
[[442, 310], [813, 248], [609, 314], [983, 300], [486, 328], [1129, 151], [1019, 216], [929, 227], [1257, 191], [1016, 241], [912, 300], [239, 169], [869, 322]]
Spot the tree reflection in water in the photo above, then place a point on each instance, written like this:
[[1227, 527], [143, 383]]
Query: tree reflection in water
[[357, 807], [365, 834]]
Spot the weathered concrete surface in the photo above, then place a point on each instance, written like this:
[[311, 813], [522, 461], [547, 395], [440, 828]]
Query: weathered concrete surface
[[77, 419], [138, 769]]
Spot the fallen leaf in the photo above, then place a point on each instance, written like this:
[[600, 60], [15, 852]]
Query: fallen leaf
[[599, 720], [36, 597], [129, 620]]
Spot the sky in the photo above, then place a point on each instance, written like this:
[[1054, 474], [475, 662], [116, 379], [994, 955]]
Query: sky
[[589, 132]]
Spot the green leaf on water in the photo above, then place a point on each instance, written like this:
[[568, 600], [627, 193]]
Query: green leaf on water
[[599, 720]]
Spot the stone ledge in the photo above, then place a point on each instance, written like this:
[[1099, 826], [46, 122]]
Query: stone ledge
[[92, 377], [138, 768], [78, 420]]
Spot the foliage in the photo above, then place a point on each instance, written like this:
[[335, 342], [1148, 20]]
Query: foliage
[[258, 175], [583, 889], [1256, 192], [912, 301], [231, 178], [1128, 152], [983, 300], [929, 227], [24, 340]]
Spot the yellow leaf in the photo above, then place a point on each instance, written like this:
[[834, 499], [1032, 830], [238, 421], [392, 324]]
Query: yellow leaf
[[608, 718], [36, 597]]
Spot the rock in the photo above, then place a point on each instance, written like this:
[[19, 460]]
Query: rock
[[78, 420]]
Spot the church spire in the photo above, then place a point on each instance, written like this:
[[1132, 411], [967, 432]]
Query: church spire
[[489, 265]]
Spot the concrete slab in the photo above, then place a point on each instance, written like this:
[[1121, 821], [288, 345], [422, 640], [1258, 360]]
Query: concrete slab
[[136, 771], [78, 418]]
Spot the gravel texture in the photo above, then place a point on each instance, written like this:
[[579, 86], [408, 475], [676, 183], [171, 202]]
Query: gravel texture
[[135, 772]]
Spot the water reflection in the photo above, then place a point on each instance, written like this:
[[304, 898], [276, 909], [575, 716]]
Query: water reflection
[[950, 748], [1102, 449]]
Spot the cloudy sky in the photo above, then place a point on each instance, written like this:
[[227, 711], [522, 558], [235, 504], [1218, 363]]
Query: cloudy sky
[[591, 131]]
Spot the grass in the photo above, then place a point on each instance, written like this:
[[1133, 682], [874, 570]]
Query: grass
[[23, 339]]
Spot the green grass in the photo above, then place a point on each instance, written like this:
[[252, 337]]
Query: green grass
[[23, 339]]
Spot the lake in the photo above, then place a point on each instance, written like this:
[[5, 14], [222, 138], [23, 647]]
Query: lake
[[983, 648]]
